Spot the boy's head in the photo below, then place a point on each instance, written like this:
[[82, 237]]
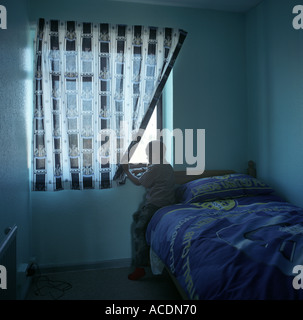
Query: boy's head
[[155, 151]]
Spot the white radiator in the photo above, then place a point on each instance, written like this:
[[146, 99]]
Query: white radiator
[[8, 269]]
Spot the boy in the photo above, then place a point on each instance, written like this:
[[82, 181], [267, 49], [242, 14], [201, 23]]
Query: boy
[[159, 181]]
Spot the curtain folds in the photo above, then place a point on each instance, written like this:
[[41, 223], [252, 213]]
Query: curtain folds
[[94, 84]]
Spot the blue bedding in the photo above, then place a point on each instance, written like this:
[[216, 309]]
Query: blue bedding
[[234, 248]]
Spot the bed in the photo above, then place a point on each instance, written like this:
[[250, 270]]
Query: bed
[[229, 237]]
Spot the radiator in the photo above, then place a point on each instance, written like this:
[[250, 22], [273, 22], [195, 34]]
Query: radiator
[[8, 265]]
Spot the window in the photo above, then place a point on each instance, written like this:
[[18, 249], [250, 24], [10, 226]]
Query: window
[[95, 84], [151, 133]]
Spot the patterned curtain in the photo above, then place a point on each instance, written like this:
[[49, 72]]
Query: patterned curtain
[[94, 83]]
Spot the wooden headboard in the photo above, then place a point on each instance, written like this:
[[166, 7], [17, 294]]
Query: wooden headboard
[[181, 176]]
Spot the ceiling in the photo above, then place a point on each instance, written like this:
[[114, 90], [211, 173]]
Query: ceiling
[[224, 5]]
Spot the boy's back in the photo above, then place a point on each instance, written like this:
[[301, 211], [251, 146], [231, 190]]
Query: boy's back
[[159, 180]]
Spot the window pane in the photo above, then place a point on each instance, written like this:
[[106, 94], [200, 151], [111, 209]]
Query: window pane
[[150, 134]]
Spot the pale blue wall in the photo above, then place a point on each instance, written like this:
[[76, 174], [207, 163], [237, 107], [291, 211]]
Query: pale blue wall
[[275, 96], [15, 103], [210, 85]]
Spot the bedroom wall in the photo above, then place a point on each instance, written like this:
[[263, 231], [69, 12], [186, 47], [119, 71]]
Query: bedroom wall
[[72, 227], [275, 68], [15, 102]]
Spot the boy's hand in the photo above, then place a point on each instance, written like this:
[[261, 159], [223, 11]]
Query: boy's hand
[[137, 171], [134, 179]]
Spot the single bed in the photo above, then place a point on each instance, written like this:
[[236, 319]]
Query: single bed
[[229, 238]]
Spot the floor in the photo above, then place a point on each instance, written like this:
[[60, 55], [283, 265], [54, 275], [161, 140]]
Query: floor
[[101, 284]]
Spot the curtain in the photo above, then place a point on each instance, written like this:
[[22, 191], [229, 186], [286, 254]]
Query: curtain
[[94, 84]]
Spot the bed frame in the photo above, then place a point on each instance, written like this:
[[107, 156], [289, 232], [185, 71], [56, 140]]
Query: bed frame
[[181, 177]]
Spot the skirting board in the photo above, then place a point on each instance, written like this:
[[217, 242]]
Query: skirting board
[[117, 263]]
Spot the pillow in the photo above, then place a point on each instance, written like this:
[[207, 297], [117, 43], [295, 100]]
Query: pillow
[[220, 188]]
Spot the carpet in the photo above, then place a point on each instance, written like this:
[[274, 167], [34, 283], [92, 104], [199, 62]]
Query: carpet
[[102, 284]]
